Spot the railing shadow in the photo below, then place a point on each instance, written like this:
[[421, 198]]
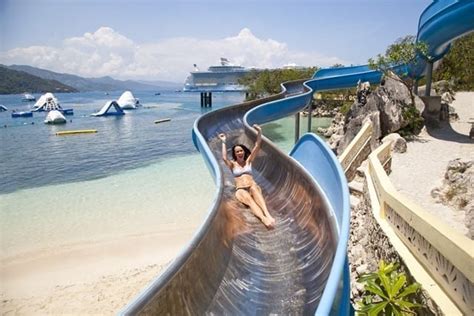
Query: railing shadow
[[446, 132]]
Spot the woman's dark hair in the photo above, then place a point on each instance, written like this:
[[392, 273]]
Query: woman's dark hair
[[246, 151]]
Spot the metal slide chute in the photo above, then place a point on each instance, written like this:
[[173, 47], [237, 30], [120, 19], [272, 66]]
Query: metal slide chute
[[234, 265]]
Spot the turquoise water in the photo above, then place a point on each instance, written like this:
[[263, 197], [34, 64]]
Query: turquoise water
[[282, 132], [176, 191], [32, 155], [131, 178]]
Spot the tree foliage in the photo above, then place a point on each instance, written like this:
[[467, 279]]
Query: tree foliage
[[403, 55], [12, 81], [266, 82], [458, 64]]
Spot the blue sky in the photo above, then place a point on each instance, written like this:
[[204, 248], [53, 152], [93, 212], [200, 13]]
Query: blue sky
[[161, 40]]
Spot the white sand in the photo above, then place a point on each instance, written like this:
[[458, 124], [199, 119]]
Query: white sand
[[88, 279], [421, 169]]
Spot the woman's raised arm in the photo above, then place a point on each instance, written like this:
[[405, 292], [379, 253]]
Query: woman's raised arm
[[223, 138], [258, 142]]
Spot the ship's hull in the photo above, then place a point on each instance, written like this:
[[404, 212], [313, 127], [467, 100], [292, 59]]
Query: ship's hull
[[214, 88], [217, 79]]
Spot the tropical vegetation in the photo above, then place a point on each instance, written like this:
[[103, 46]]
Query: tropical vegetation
[[261, 83], [12, 81], [458, 64], [403, 53], [387, 292]]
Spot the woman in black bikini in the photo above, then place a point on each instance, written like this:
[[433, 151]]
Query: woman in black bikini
[[247, 190]]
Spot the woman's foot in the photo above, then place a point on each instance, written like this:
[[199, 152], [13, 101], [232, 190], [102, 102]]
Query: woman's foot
[[269, 222], [267, 215], [273, 220]]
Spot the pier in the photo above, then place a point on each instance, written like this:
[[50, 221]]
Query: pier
[[206, 99]]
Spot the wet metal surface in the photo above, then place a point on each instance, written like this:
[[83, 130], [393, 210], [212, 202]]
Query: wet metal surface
[[237, 266]]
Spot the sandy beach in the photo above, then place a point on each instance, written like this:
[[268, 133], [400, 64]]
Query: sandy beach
[[88, 279], [85, 259], [422, 167]]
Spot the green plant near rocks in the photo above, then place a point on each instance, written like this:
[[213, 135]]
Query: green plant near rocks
[[415, 121], [387, 292], [404, 53]]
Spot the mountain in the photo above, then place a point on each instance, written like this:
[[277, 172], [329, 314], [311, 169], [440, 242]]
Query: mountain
[[163, 84], [13, 81], [92, 84], [134, 85]]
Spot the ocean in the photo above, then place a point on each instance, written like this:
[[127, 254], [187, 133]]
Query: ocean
[[129, 178]]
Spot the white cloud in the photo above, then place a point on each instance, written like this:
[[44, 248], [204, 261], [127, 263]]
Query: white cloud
[[108, 53]]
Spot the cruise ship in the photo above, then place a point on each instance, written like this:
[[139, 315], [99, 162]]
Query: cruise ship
[[223, 78]]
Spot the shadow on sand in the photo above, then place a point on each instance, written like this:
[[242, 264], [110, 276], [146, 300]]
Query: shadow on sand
[[446, 132]]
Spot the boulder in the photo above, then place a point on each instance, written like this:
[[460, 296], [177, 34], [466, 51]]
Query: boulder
[[399, 144], [457, 190], [384, 108]]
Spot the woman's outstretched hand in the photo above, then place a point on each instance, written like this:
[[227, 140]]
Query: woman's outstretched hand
[[257, 127], [222, 137]]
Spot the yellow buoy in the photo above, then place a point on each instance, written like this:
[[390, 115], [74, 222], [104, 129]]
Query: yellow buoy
[[79, 131], [162, 120]]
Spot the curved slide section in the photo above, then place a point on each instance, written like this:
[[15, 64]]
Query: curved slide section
[[234, 265], [440, 23], [444, 21]]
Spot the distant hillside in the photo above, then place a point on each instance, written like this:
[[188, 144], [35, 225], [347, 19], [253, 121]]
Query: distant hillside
[[13, 81], [130, 84], [163, 84], [91, 84]]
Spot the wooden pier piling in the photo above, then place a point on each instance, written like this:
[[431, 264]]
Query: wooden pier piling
[[206, 99]]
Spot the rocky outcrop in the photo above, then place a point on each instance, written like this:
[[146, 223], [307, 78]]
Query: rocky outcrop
[[336, 127], [399, 144], [457, 190], [384, 107], [326, 108]]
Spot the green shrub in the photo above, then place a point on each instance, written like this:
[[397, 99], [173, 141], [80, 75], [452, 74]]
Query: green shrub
[[387, 292], [415, 121]]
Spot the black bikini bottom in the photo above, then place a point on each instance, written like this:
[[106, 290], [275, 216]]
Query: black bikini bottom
[[243, 188]]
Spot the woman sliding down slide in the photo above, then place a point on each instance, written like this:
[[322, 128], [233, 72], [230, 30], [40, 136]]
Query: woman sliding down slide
[[247, 190]]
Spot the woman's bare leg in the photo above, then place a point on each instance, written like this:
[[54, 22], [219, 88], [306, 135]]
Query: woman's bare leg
[[257, 195], [245, 197]]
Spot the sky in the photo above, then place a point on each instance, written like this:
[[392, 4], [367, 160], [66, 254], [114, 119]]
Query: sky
[[161, 40]]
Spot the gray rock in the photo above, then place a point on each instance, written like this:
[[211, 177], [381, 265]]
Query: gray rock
[[362, 269], [399, 144], [384, 108], [457, 190]]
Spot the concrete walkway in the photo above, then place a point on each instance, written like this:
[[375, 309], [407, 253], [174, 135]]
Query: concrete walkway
[[421, 169]]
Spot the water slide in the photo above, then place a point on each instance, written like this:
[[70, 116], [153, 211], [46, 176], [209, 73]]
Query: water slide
[[105, 109], [234, 265]]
